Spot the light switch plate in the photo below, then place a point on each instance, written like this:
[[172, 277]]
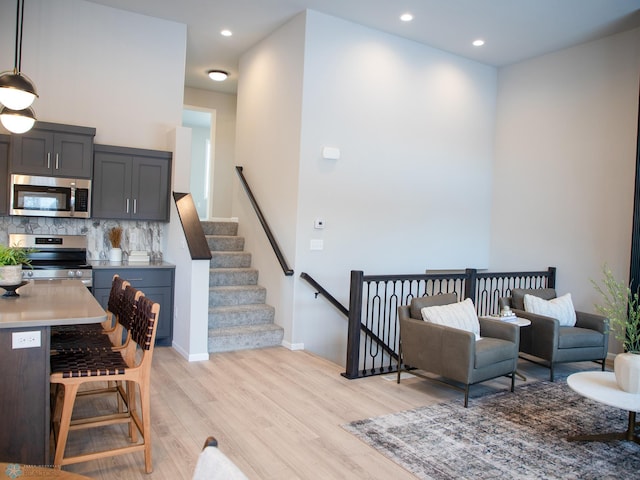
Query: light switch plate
[[331, 153], [316, 244]]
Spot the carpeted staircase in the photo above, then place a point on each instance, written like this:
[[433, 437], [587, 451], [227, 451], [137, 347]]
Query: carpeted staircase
[[239, 318]]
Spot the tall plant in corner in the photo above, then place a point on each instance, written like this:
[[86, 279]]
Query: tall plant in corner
[[622, 307]]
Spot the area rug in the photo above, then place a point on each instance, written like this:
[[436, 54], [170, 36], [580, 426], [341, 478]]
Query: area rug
[[519, 435]]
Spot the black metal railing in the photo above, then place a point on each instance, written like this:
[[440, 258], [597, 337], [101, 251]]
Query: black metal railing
[[369, 334], [265, 226], [320, 290], [374, 301]]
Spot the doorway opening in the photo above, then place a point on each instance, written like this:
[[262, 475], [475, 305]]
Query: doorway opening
[[202, 125]]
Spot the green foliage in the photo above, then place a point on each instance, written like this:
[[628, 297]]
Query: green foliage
[[14, 255], [622, 307]]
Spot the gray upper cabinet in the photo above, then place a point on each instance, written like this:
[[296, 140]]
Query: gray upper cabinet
[[131, 183], [52, 149], [4, 173]]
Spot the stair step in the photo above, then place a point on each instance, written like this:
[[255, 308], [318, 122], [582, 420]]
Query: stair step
[[236, 295], [225, 243], [245, 337], [232, 276], [230, 260], [239, 318], [220, 228], [241, 315]]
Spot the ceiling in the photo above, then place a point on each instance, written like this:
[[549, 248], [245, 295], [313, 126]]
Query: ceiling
[[513, 30]]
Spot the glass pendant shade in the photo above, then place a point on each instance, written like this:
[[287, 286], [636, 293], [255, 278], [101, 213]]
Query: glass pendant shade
[[17, 92], [17, 121]]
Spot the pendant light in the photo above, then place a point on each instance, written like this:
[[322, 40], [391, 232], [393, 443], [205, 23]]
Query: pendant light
[[17, 91], [17, 121]]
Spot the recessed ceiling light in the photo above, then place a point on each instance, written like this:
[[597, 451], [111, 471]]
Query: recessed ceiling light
[[226, 33], [217, 75], [478, 43], [406, 17]]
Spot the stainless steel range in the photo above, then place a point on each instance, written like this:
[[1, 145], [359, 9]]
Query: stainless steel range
[[56, 257]]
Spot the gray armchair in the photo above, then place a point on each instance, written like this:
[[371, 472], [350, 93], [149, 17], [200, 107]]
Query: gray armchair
[[454, 354], [545, 339]]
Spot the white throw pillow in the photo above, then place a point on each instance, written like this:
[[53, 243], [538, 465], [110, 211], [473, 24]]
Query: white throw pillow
[[461, 315], [560, 308]]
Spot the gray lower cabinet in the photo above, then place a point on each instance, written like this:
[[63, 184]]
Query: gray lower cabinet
[[157, 283], [52, 149], [131, 183], [4, 174]]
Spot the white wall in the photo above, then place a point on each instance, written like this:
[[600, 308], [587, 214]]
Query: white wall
[[565, 163], [99, 67], [268, 148], [412, 189], [191, 297], [223, 140]]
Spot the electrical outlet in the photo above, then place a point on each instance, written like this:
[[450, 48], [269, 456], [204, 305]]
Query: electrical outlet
[[25, 339]]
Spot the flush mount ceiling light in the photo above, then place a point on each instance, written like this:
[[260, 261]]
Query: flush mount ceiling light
[[17, 91], [217, 75], [406, 17], [17, 121], [478, 43], [226, 32]]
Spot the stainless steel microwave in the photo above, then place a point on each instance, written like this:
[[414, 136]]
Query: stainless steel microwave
[[50, 196]]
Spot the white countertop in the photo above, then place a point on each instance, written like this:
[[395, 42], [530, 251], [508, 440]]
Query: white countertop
[[602, 387], [50, 302]]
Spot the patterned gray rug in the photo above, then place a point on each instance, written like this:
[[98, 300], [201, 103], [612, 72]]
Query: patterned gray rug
[[506, 436]]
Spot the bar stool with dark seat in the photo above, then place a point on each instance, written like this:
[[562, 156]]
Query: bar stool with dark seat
[[74, 369], [94, 335]]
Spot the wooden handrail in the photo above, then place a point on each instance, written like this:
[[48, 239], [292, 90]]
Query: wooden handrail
[[265, 226]]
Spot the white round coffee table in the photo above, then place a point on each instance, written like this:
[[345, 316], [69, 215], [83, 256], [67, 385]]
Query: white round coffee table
[[602, 387]]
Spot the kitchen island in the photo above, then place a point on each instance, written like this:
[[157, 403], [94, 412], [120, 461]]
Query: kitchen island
[[25, 323]]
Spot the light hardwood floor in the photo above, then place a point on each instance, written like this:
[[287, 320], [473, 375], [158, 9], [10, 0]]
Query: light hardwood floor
[[276, 413]]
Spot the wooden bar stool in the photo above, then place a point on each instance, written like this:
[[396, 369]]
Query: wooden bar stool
[[110, 334], [73, 369]]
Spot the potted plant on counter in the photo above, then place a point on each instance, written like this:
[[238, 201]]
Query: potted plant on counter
[[622, 307], [11, 261]]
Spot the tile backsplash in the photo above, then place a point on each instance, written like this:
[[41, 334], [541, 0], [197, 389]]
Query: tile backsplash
[[136, 235]]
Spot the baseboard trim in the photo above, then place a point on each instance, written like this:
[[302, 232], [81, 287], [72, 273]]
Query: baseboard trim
[[222, 219], [293, 346], [194, 357], [198, 357]]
